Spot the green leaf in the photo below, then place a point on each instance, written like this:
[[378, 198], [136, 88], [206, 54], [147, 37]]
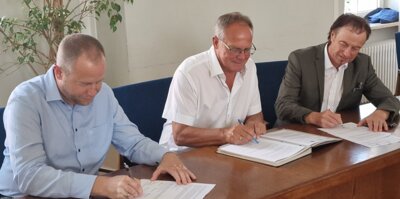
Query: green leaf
[[45, 23], [115, 6]]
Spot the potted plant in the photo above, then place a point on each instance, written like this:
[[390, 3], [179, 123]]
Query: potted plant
[[35, 39]]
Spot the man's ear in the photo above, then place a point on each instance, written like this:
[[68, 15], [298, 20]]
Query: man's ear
[[57, 72], [333, 35], [215, 41]]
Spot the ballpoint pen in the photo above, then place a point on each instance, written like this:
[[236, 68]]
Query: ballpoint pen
[[254, 138], [128, 170]]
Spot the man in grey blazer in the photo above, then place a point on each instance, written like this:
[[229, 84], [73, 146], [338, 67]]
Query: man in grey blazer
[[331, 77]]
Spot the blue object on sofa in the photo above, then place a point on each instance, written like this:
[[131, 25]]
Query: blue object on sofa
[[383, 15], [270, 75], [2, 135], [143, 103]]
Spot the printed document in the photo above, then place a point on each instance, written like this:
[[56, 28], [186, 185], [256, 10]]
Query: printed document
[[171, 190], [362, 135], [277, 148]]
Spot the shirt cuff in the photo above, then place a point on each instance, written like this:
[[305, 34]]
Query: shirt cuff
[[82, 185]]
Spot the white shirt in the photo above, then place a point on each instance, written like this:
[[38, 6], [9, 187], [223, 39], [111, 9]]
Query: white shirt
[[199, 97], [333, 84]]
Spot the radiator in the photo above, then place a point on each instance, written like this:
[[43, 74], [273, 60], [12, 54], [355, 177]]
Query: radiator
[[384, 60]]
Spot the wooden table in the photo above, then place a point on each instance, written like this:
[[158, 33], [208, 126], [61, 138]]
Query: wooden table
[[338, 170]]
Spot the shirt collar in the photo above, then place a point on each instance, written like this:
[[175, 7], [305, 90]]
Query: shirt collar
[[215, 67], [52, 92], [328, 63]]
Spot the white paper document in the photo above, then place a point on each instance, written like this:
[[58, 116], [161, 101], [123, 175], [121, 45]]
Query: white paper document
[[277, 147], [362, 135], [171, 190], [268, 150], [297, 137]]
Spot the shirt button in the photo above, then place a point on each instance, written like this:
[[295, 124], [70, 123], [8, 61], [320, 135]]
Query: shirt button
[[79, 150], [76, 129], [83, 170]]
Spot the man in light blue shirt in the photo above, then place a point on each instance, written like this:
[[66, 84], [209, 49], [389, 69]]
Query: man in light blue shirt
[[60, 125]]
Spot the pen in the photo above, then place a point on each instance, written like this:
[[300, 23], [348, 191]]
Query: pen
[[128, 170], [254, 138]]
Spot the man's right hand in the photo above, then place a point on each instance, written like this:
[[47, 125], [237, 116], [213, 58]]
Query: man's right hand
[[238, 134], [121, 186], [326, 119]]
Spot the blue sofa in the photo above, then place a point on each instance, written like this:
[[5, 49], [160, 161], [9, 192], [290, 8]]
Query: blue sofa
[[270, 76], [144, 102]]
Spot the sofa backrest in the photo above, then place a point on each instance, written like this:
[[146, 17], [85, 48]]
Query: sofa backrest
[[2, 135], [143, 103], [270, 75]]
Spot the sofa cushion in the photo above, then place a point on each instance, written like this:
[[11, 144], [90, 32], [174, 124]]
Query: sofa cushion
[[270, 75], [143, 103]]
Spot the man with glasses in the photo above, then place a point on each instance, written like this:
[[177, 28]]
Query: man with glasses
[[324, 79], [214, 98]]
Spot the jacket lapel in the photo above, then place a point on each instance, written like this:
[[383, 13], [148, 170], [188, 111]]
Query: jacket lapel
[[348, 78], [347, 83]]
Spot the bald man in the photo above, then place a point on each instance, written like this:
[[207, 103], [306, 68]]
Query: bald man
[[60, 125]]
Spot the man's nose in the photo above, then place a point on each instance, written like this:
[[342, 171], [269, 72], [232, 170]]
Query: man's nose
[[347, 52], [92, 90]]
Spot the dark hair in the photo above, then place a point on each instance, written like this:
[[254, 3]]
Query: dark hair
[[357, 23], [228, 19], [75, 45]]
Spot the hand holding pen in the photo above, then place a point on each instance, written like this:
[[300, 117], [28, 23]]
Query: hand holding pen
[[137, 181], [254, 137], [119, 186]]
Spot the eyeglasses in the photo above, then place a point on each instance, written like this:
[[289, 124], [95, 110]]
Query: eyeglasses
[[238, 51]]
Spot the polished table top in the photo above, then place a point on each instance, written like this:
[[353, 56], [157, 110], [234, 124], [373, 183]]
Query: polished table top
[[237, 178], [342, 164]]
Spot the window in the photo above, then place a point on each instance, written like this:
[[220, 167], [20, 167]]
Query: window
[[361, 7]]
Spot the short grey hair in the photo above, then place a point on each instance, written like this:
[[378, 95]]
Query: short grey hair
[[228, 19], [74, 45]]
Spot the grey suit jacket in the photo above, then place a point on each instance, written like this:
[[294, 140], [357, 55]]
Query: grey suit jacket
[[302, 87]]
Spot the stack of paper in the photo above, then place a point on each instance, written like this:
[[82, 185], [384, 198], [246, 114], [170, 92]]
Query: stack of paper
[[169, 189], [362, 135]]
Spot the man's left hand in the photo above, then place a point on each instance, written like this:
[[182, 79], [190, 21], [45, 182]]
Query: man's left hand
[[260, 128], [171, 164], [376, 121]]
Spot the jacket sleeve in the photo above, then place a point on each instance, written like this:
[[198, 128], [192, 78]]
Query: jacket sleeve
[[287, 105], [379, 95]]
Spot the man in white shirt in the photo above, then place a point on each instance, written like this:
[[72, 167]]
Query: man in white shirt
[[331, 77], [214, 91]]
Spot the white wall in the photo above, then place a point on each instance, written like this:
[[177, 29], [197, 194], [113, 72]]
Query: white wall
[[160, 34], [9, 80], [156, 35], [393, 4]]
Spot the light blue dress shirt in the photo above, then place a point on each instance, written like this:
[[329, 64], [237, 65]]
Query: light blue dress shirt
[[54, 149]]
